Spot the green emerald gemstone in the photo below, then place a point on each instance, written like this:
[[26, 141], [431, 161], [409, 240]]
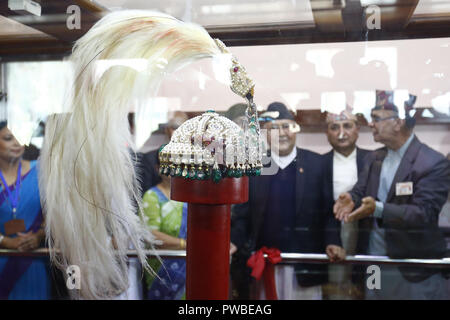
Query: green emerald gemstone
[[162, 147], [230, 173], [192, 173], [217, 175], [238, 173], [258, 172], [200, 175]]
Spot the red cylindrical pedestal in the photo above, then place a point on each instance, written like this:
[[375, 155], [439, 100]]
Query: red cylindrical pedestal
[[208, 249], [208, 236]]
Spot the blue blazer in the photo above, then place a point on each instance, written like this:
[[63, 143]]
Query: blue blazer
[[410, 221]]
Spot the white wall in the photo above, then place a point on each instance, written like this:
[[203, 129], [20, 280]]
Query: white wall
[[309, 76], [298, 75]]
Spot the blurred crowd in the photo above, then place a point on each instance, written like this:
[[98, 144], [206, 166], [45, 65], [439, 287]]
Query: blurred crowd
[[348, 201]]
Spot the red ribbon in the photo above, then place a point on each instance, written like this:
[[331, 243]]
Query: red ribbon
[[259, 268]]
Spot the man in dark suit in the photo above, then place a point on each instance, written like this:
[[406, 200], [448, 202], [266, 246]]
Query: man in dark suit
[[147, 175], [343, 164], [287, 209], [398, 198]]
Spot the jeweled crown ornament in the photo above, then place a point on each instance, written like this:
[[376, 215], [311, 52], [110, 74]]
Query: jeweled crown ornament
[[212, 146], [242, 85]]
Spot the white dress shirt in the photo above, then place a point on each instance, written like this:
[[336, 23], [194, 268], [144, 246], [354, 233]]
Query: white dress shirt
[[284, 161], [345, 172]]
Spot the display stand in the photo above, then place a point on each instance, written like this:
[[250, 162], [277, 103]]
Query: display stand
[[208, 233]]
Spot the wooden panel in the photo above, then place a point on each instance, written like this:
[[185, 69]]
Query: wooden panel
[[327, 15], [315, 120], [418, 28], [329, 21], [53, 19], [397, 15], [24, 49]]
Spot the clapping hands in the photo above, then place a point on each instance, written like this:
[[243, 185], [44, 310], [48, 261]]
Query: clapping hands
[[343, 208]]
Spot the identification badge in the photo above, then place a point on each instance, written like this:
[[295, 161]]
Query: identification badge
[[14, 226], [404, 188]]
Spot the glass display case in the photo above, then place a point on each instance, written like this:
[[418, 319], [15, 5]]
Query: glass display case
[[316, 58]]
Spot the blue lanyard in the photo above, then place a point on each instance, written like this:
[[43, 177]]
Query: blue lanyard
[[13, 199]]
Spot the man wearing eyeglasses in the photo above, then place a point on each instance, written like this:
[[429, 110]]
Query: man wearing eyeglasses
[[287, 210], [397, 201], [343, 165]]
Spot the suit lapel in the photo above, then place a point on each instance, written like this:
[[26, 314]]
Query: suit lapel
[[359, 160], [329, 165], [299, 179], [261, 189], [374, 179], [405, 166], [328, 158]]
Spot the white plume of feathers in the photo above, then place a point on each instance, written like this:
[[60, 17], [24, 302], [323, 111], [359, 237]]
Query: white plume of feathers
[[87, 181]]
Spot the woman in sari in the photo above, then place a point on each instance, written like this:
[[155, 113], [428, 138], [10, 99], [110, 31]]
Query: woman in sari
[[21, 224], [167, 220]]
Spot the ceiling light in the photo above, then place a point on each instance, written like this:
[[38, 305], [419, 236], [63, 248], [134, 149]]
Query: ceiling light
[[25, 6]]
